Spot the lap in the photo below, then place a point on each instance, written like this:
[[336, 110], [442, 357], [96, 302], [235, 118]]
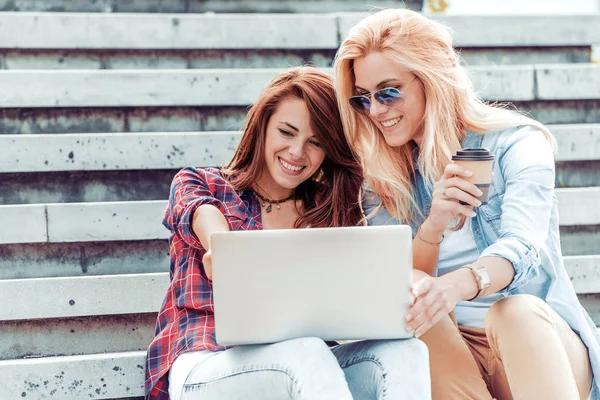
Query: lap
[[292, 369]]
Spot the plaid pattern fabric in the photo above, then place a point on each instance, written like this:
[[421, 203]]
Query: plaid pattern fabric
[[186, 318]]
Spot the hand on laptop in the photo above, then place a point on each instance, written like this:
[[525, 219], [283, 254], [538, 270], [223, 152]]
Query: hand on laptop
[[207, 262], [433, 299]]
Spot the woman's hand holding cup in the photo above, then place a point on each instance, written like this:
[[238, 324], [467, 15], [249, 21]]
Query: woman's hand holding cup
[[448, 193]]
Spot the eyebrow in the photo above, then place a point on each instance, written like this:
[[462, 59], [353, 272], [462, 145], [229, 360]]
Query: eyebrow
[[290, 125], [383, 84]]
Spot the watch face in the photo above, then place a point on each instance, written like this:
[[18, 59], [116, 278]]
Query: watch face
[[484, 278]]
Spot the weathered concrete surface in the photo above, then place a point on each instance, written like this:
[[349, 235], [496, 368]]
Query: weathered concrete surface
[[568, 82], [100, 376], [270, 31], [577, 142], [577, 174], [201, 6], [138, 185], [23, 223], [87, 186], [112, 151], [579, 206], [75, 336], [524, 55], [172, 150], [584, 272], [14, 59], [21, 261], [579, 240], [504, 82], [168, 31], [82, 296], [240, 87], [46, 88], [90, 222], [133, 220], [143, 293], [217, 118], [499, 30]]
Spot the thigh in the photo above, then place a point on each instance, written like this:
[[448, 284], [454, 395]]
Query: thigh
[[455, 373], [386, 369], [294, 369], [534, 344]]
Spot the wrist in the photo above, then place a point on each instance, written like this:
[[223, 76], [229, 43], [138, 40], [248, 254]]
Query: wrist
[[463, 284], [429, 234]]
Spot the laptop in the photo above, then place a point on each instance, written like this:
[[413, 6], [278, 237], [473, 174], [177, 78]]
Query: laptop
[[333, 283]]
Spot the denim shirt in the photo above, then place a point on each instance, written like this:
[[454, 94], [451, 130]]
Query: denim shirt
[[518, 223]]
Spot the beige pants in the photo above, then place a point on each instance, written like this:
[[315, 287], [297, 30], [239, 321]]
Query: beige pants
[[526, 351]]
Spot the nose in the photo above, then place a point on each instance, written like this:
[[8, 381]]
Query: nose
[[296, 149], [376, 108]]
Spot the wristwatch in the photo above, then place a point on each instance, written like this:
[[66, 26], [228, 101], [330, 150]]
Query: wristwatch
[[482, 277]]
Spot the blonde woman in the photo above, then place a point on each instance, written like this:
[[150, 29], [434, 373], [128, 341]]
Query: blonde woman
[[408, 105]]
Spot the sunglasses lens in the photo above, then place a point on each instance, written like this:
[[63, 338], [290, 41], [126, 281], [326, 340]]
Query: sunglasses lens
[[388, 97], [360, 104]]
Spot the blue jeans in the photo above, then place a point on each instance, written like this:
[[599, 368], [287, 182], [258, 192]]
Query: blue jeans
[[307, 369]]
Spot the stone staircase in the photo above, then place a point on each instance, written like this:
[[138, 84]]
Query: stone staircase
[[103, 103]]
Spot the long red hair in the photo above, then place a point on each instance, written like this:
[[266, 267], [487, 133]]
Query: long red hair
[[332, 197]]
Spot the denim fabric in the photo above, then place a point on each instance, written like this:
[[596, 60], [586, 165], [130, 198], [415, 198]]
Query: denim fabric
[[519, 223], [306, 369]]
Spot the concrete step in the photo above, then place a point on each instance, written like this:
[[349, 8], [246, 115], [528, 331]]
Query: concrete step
[[499, 30], [137, 185], [76, 336], [122, 294], [139, 220], [201, 6], [152, 256], [241, 87], [81, 296], [271, 31], [98, 376], [172, 150], [23, 120], [83, 258], [98, 314]]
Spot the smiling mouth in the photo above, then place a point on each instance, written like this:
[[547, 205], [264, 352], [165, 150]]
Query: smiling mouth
[[391, 122], [290, 167]]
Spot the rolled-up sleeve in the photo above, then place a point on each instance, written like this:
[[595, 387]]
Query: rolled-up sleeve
[[192, 188], [527, 167]]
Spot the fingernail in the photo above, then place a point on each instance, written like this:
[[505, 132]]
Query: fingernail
[[468, 173], [478, 192], [472, 214], [408, 317], [478, 203], [409, 328]]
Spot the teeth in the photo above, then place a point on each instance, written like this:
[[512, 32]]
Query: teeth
[[391, 122], [289, 166]]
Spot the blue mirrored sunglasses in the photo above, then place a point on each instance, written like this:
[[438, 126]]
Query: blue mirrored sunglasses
[[388, 97]]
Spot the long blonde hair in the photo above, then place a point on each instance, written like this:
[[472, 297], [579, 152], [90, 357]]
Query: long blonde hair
[[452, 106]]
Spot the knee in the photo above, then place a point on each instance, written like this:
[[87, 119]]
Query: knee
[[396, 356], [309, 346], [513, 311]]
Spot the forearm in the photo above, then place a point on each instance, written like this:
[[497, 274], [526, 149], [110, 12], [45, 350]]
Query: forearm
[[207, 220], [501, 273], [426, 249]]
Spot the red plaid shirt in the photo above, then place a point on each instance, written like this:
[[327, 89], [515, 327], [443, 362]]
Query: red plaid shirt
[[186, 318]]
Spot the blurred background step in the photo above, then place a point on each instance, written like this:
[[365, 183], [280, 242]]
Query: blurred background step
[[200, 6], [240, 87], [119, 41]]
